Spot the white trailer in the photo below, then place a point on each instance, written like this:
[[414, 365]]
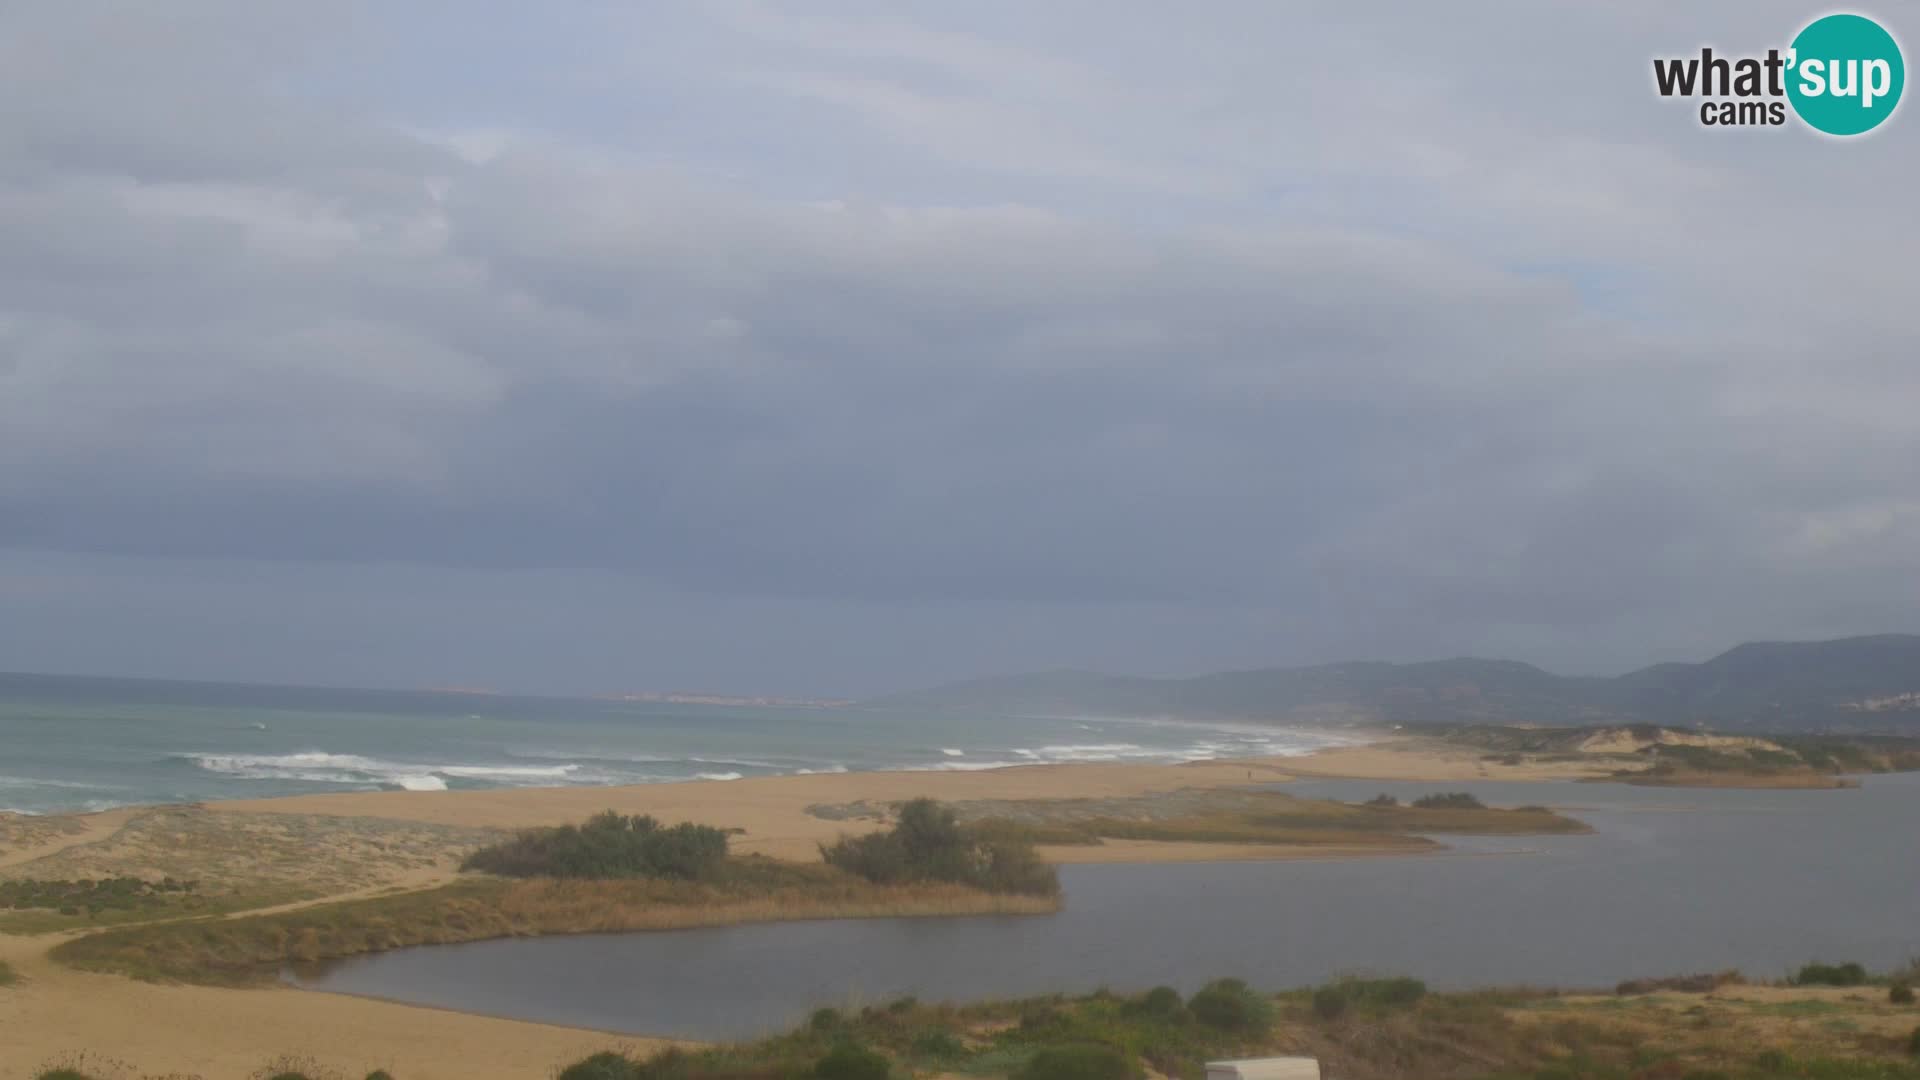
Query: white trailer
[[1275, 1068]]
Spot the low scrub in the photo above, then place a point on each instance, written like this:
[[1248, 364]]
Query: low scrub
[[1231, 1005], [1847, 974], [7, 975], [928, 844], [1085, 1061], [1703, 983], [1451, 800], [90, 896], [609, 845], [851, 1061]]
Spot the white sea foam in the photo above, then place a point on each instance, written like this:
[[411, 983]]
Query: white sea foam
[[950, 752], [718, 776], [321, 767]]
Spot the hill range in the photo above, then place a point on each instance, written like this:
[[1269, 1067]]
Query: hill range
[[1856, 684]]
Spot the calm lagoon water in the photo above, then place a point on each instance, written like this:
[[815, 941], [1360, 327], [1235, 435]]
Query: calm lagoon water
[[1672, 881]]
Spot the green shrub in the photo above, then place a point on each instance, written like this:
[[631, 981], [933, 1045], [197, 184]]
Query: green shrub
[[669, 1064], [1041, 1017], [379, 1074], [928, 844], [609, 845], [1230, 1005], [1452, 800], [605, 1065], [1900, 994], [1329, 1002], [1161, 1002], [63, 1074], [1913, 1043], [1847, 974], [1335, 998], [1772, 1061], [851, 1061], [938, 1045], [902, 1005], [1383, 799], [824, 1020], [7, 975], [1078, 1061]]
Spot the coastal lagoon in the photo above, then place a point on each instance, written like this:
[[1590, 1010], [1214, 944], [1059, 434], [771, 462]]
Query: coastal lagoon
[[1672, 881]]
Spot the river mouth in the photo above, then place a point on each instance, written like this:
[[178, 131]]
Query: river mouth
[[1670, 882]]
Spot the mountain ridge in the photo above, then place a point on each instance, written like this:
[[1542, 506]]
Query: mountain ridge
[[1865, 683]]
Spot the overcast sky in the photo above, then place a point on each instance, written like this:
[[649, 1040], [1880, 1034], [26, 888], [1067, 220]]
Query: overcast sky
[[607, 346]]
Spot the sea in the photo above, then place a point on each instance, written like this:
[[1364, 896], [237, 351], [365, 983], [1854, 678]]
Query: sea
[[82, 744]]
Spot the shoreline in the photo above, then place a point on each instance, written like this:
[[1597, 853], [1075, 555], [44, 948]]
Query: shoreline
[[216, 1032]]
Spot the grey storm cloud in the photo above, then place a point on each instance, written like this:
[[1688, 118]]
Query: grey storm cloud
[[1070, 313]]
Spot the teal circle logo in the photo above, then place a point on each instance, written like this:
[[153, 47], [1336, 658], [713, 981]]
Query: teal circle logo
[[1845, 74]]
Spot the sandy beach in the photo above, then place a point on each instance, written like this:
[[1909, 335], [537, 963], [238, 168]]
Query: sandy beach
[[216, 1034]]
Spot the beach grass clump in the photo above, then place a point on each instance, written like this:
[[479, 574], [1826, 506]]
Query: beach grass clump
[[609, 845], [1847, 974], [928, 844], [8, 976], [293, 1067]]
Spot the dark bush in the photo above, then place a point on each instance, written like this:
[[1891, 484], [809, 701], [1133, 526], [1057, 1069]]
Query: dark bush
[[928, 844], [609, 845], [1452, 800], [1900, 994], [379, 1074], [605, 1065], [1039, 1018], [669, 1064], [1913, 1043], [851, 1061], [1230, 1005], [1702, 983], [1335, 998], [63, 1074], [1078, 1061], [826, 1020], [1772, 1061], [903, 1004], [1847, 974], [1162, 1002], [1383, 799], [938, 1045]]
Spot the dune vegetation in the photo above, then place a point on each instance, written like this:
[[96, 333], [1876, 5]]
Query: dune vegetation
[[1242, 816], [1358, 1028], [613, 873]]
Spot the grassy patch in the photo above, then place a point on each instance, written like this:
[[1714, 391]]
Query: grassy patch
[[8, 976]]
